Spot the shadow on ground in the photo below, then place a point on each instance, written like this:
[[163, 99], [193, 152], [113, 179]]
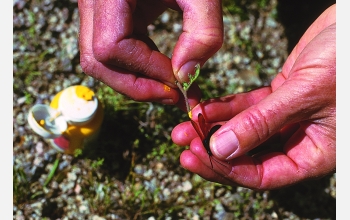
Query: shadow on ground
[[297, 16], [307, 200], [120, 138]]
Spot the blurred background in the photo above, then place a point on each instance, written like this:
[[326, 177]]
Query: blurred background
[[133, 172]]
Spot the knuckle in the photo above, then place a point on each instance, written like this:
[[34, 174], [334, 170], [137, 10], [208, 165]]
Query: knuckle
[[256, 121], [140, 92], [125, 53], [88, 65], [213, 37], [101, 51]]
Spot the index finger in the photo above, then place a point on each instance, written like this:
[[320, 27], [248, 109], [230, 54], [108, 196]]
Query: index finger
[[120, 38], [137, 86]]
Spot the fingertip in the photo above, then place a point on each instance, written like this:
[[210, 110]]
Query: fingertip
[[183, 134], [171, 96], [224, 144], [189, 161], [182, 74]]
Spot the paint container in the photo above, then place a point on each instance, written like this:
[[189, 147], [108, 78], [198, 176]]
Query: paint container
[[71, 122]]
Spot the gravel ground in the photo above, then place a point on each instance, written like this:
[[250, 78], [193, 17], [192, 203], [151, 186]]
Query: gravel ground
[[97, 184]]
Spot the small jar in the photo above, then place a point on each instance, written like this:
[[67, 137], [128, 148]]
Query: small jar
[[72, 120]]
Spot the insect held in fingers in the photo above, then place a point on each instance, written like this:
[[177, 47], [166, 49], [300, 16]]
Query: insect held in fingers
[[205, 135]]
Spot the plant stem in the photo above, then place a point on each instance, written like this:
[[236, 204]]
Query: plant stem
[[186, 85], [184, 92]]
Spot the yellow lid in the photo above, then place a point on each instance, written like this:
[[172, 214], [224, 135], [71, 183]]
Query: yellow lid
[[84, 93], [78, 104]]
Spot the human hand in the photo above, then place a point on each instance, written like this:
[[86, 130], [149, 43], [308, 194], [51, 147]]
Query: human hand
[[115, 47], [293, 122]]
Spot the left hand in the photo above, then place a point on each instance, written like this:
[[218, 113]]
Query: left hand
[[116, 49]]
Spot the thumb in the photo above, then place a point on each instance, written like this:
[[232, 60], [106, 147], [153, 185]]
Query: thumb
[[256, 124], [202, 36], [304, 95]]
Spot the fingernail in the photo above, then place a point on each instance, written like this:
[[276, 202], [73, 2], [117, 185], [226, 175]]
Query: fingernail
[[187, 68], [225, 144], [167, 101]]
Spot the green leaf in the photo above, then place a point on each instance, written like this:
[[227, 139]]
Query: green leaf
[[192, 78]]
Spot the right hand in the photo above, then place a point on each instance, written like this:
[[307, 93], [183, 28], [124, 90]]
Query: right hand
[[115, 47], [293, 121]]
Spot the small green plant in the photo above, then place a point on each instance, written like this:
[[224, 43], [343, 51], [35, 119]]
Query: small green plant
[[186, 85], [78, 152], [98, 163], [53, 170], [192, 78], [29, 98]]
